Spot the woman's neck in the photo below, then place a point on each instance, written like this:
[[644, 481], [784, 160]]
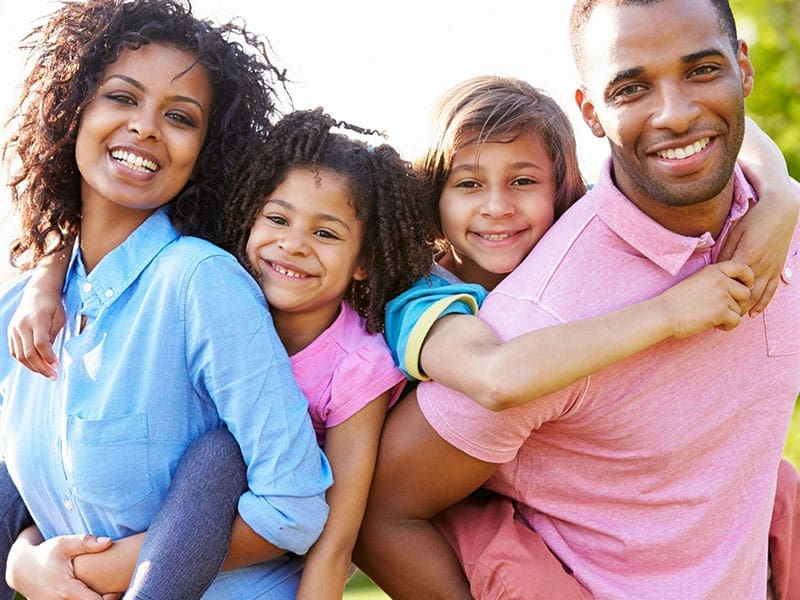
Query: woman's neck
[[101, 232]]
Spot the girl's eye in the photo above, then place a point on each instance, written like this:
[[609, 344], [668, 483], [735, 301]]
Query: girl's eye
[[326, 234], [468, 184], [520, 181], [278, 220], [181, 118]]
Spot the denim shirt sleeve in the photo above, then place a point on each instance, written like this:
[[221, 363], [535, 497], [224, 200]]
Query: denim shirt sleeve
[[238, 363]]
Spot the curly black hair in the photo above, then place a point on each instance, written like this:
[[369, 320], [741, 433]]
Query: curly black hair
[[396, 248], [68, 54]]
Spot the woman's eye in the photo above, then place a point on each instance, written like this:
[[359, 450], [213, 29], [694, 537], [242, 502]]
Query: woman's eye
[[121, 99], [276, 219], [181, 118]]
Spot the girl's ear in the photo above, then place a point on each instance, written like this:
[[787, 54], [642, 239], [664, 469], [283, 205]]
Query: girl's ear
[[360, 273]]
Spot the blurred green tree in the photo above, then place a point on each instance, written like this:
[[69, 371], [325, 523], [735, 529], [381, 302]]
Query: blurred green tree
[[772, 30]]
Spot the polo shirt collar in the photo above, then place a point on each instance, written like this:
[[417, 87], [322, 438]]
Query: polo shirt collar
[[123, 265], [667, 249]]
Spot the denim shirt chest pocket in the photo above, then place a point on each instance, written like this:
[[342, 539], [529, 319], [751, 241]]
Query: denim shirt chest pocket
[[106, 460], [782, 315]]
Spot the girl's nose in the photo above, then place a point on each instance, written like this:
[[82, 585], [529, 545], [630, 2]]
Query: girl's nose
[[293, 243], [497, 204]]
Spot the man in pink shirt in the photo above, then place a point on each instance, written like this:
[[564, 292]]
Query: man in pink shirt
[[654, 478]]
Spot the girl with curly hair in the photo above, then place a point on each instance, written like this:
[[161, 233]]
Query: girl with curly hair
[[127, 130]]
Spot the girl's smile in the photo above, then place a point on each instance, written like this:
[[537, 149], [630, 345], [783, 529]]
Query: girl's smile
[[304, 246], [495, 205]]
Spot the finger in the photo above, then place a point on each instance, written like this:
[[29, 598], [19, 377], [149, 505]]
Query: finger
[[730, 245], [32, 360], [44, 348], [73, 545], [738, 270], [766, 296], [75, 589]]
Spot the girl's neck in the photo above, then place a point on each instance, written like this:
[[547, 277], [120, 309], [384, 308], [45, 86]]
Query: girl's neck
[[469, 272], [298, 330]]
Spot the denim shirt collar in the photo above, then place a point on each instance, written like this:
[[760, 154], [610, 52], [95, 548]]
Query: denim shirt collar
[[120, 267]]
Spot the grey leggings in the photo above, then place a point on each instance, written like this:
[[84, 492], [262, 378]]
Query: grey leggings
[[188, 537]]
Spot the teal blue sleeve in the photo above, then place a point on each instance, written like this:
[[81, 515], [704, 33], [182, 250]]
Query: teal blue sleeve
[[410, 316]]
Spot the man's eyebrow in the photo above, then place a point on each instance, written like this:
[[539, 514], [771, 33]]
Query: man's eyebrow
[[695, 56], [634, 72], [626, 74]]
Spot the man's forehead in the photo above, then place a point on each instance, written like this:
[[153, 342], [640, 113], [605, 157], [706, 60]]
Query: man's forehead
[[626, 40]]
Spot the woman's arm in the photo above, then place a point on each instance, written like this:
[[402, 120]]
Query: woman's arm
[[761, 239], [351, 448], [40, 316], [463, 353]]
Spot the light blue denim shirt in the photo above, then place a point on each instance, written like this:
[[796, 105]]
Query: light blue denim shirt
[[177, 341]]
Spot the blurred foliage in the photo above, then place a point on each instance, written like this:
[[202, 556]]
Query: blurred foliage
[[772, 31]]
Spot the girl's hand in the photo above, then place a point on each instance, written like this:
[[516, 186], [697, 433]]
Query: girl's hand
[[761, 239], [44, 571], [716, 296], [34, 326]]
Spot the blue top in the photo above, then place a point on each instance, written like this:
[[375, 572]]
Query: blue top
[[410, 316], [177, 341]]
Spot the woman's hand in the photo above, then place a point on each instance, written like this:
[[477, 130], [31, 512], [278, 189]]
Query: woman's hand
[[42, 570]]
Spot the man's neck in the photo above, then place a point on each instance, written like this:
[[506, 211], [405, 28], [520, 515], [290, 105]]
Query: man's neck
[[691, 220]]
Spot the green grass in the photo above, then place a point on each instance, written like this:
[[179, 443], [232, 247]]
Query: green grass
[[361, 587]]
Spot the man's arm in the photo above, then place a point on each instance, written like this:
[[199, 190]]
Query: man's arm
[[418, 474]]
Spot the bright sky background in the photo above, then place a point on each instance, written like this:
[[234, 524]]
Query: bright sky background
[[378, 64]]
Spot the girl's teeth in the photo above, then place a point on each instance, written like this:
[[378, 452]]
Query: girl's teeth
[[133, 162], [685, 152], [495, 237], [287, 272]]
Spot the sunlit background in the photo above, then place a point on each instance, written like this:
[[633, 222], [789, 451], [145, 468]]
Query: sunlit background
[[381, 65]]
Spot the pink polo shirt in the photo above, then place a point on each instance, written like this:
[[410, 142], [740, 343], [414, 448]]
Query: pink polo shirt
[[653, 478]]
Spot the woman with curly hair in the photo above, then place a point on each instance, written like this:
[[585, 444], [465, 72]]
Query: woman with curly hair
[[128, 126]]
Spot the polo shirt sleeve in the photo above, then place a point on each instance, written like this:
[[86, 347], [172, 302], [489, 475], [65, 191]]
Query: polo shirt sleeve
[[410, 316], [491, 436], [237, 361]]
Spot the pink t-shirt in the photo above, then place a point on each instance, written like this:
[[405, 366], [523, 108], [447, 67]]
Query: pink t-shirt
[[653, 478], [343, 370]]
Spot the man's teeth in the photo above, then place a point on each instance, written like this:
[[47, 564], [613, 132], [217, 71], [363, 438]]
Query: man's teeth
[[287, 272], [685, 152], [136, 163], [496, 237]]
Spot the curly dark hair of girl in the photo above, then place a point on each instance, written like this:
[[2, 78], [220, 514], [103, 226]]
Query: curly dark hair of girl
[[396, 248], [67, 55]]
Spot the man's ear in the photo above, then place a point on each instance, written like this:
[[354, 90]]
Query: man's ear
[[746, 67], [588, 113]]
